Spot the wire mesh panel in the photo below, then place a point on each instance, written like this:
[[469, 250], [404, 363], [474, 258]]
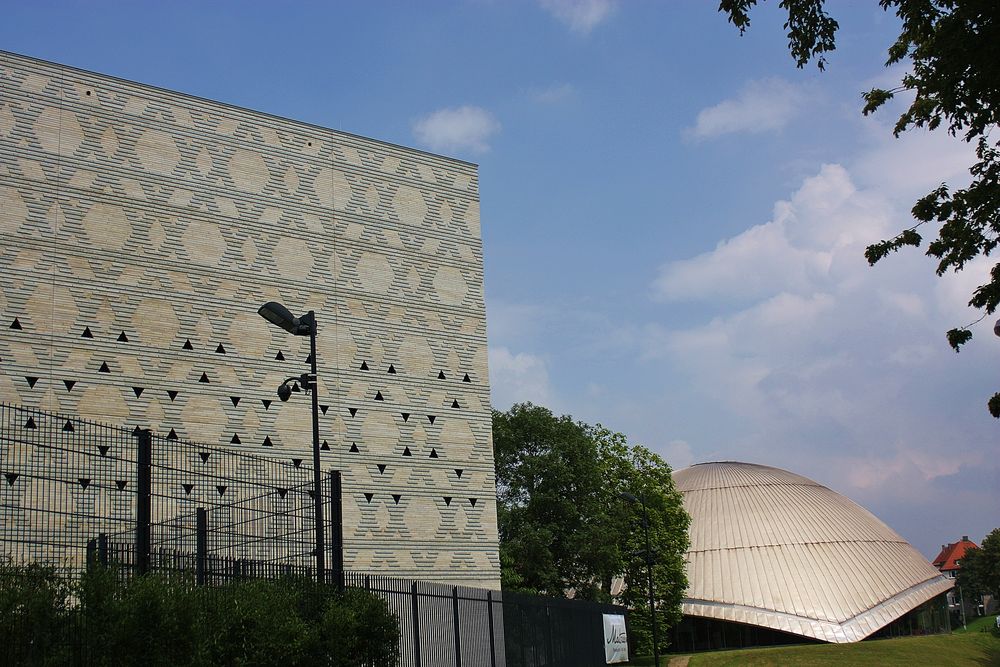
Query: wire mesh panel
[[65, 480]]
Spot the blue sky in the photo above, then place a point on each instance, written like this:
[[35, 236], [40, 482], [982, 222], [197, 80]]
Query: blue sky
[[673, 216]]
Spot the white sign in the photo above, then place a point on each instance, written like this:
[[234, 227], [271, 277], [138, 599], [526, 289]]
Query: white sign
[[615, 639]]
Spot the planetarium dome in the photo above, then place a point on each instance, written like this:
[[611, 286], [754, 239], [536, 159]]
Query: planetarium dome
[[776, 550]]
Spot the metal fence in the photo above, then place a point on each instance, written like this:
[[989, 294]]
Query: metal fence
[[75, 493], [67, 480]]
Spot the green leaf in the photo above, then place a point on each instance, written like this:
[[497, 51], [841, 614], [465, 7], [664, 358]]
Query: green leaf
[[958, 337]]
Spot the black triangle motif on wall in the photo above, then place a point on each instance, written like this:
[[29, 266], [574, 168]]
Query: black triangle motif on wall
[[104, 368], [297, 462], [458, 472], [406, 451], [324, 408], [220, 349], [309, 359], [406, 416], [121, 484], [221, 489], [466, 378], [472, 501], [122, 338], [441, 375], [267, 441], [86, 333], [378, 396], [369, 496], [204, 378], [279, 356], [30, 424], [68, 426], [364, 365], [172, 435], [187, 345], [83, 481], [353, 411], [354, 447], [188, 488], [11, 477], [381, 468], [16, 324], [431, 418], [325, 446], [137, 391], [282, 492], [172, 393], [31, 381], [447, 500], [396, 497], [204, 456], [69, 384], [434, 453], [455, 404], [235, 400], [392, 370], [235, 440], [103, 449], [267, 403]]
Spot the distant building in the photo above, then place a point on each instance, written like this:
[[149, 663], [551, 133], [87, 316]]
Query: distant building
[[776, 558], [948, 562]]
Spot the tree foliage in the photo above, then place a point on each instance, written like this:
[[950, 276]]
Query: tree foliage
[[564, 527], [953, 49], [980, 568]]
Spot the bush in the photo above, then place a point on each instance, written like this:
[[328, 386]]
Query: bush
[[35, 615], [163, 619]]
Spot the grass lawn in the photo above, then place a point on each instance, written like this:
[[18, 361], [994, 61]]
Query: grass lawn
[[972, 647]]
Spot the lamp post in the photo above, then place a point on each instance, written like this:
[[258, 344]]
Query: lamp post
[[649, 570], [277, 314]]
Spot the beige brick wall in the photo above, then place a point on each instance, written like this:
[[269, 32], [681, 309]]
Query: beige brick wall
[[125, 208]]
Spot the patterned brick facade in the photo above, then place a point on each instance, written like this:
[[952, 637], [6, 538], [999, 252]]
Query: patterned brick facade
[[140, 229]]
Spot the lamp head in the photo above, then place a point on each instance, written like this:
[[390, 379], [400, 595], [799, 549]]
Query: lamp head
[[625, 495], [276, 314], [996, 328]]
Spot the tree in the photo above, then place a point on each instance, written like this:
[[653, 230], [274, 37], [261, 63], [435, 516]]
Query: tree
[[980, 568], [954, 49], [564, 527]]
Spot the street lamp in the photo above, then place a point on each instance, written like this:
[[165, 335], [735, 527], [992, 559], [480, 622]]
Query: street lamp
[[277, 314], [649, 569]]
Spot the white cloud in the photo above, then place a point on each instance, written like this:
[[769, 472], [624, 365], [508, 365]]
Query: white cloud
[[516, 378], [580, 16], [457, 129], [808, 245], [839, 371], [765, 105], [554, 94]]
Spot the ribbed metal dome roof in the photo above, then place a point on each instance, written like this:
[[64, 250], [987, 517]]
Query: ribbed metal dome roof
[[775, 549]]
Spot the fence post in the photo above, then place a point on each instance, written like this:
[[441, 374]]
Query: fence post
[[489, 611], [337, 521], [458, 635], [201, 546], [416, 625], [548, 627], [144, 504]]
